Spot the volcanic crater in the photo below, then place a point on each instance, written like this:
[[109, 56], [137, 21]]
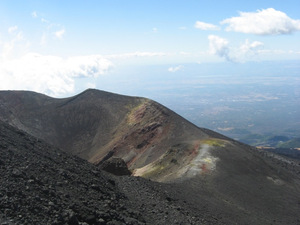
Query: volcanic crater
[[53, 154]]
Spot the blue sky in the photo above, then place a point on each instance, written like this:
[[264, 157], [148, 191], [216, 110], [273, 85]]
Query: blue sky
[[61, 47]]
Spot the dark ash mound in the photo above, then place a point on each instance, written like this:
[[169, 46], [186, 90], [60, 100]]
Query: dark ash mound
[[116, 166]]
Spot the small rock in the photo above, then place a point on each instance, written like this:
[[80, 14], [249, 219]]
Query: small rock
[[51, 203], [73, 220], [91, 219], [101, 221], [16, 173]]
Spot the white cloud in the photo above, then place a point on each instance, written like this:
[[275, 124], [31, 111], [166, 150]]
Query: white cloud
[[262, 22], [12, 29], [220, 47], [247, 51], [205, 26], [59, 34], [245, 48], [48, 74], [175, 69]]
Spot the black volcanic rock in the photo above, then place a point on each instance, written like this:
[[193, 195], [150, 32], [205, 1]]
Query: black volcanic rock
[[116, 166], [39, 184]]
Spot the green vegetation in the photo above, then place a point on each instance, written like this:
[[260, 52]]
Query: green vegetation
[[155, 170], [278, 141], [293, 143], [214, 142]]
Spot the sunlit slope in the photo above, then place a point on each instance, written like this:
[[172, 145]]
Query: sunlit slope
[[96, 125]]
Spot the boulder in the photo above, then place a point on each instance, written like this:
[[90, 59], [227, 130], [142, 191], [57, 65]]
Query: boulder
[[116, 166]]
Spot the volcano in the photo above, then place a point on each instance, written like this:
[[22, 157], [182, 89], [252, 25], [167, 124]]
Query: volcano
[[209, 174], [95, 125]]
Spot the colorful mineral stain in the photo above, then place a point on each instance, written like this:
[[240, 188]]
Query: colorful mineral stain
[[204, 168]]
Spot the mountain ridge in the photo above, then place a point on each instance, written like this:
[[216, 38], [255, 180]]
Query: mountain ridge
[[205, 172], [95, 123]]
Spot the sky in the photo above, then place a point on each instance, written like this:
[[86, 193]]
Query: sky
[[59, 48]]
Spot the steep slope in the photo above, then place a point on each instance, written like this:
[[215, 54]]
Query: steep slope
[[40, 184], [95, 125]]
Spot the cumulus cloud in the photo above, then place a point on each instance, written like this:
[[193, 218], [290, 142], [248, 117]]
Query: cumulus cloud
[[247, 46], [205, 26], [175, 69], [220, 47], [48, 74], [262, 22]]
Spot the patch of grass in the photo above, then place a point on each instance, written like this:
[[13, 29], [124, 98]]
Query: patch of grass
[[154, 171], [293, 143], [133, 115], [214, 142]]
